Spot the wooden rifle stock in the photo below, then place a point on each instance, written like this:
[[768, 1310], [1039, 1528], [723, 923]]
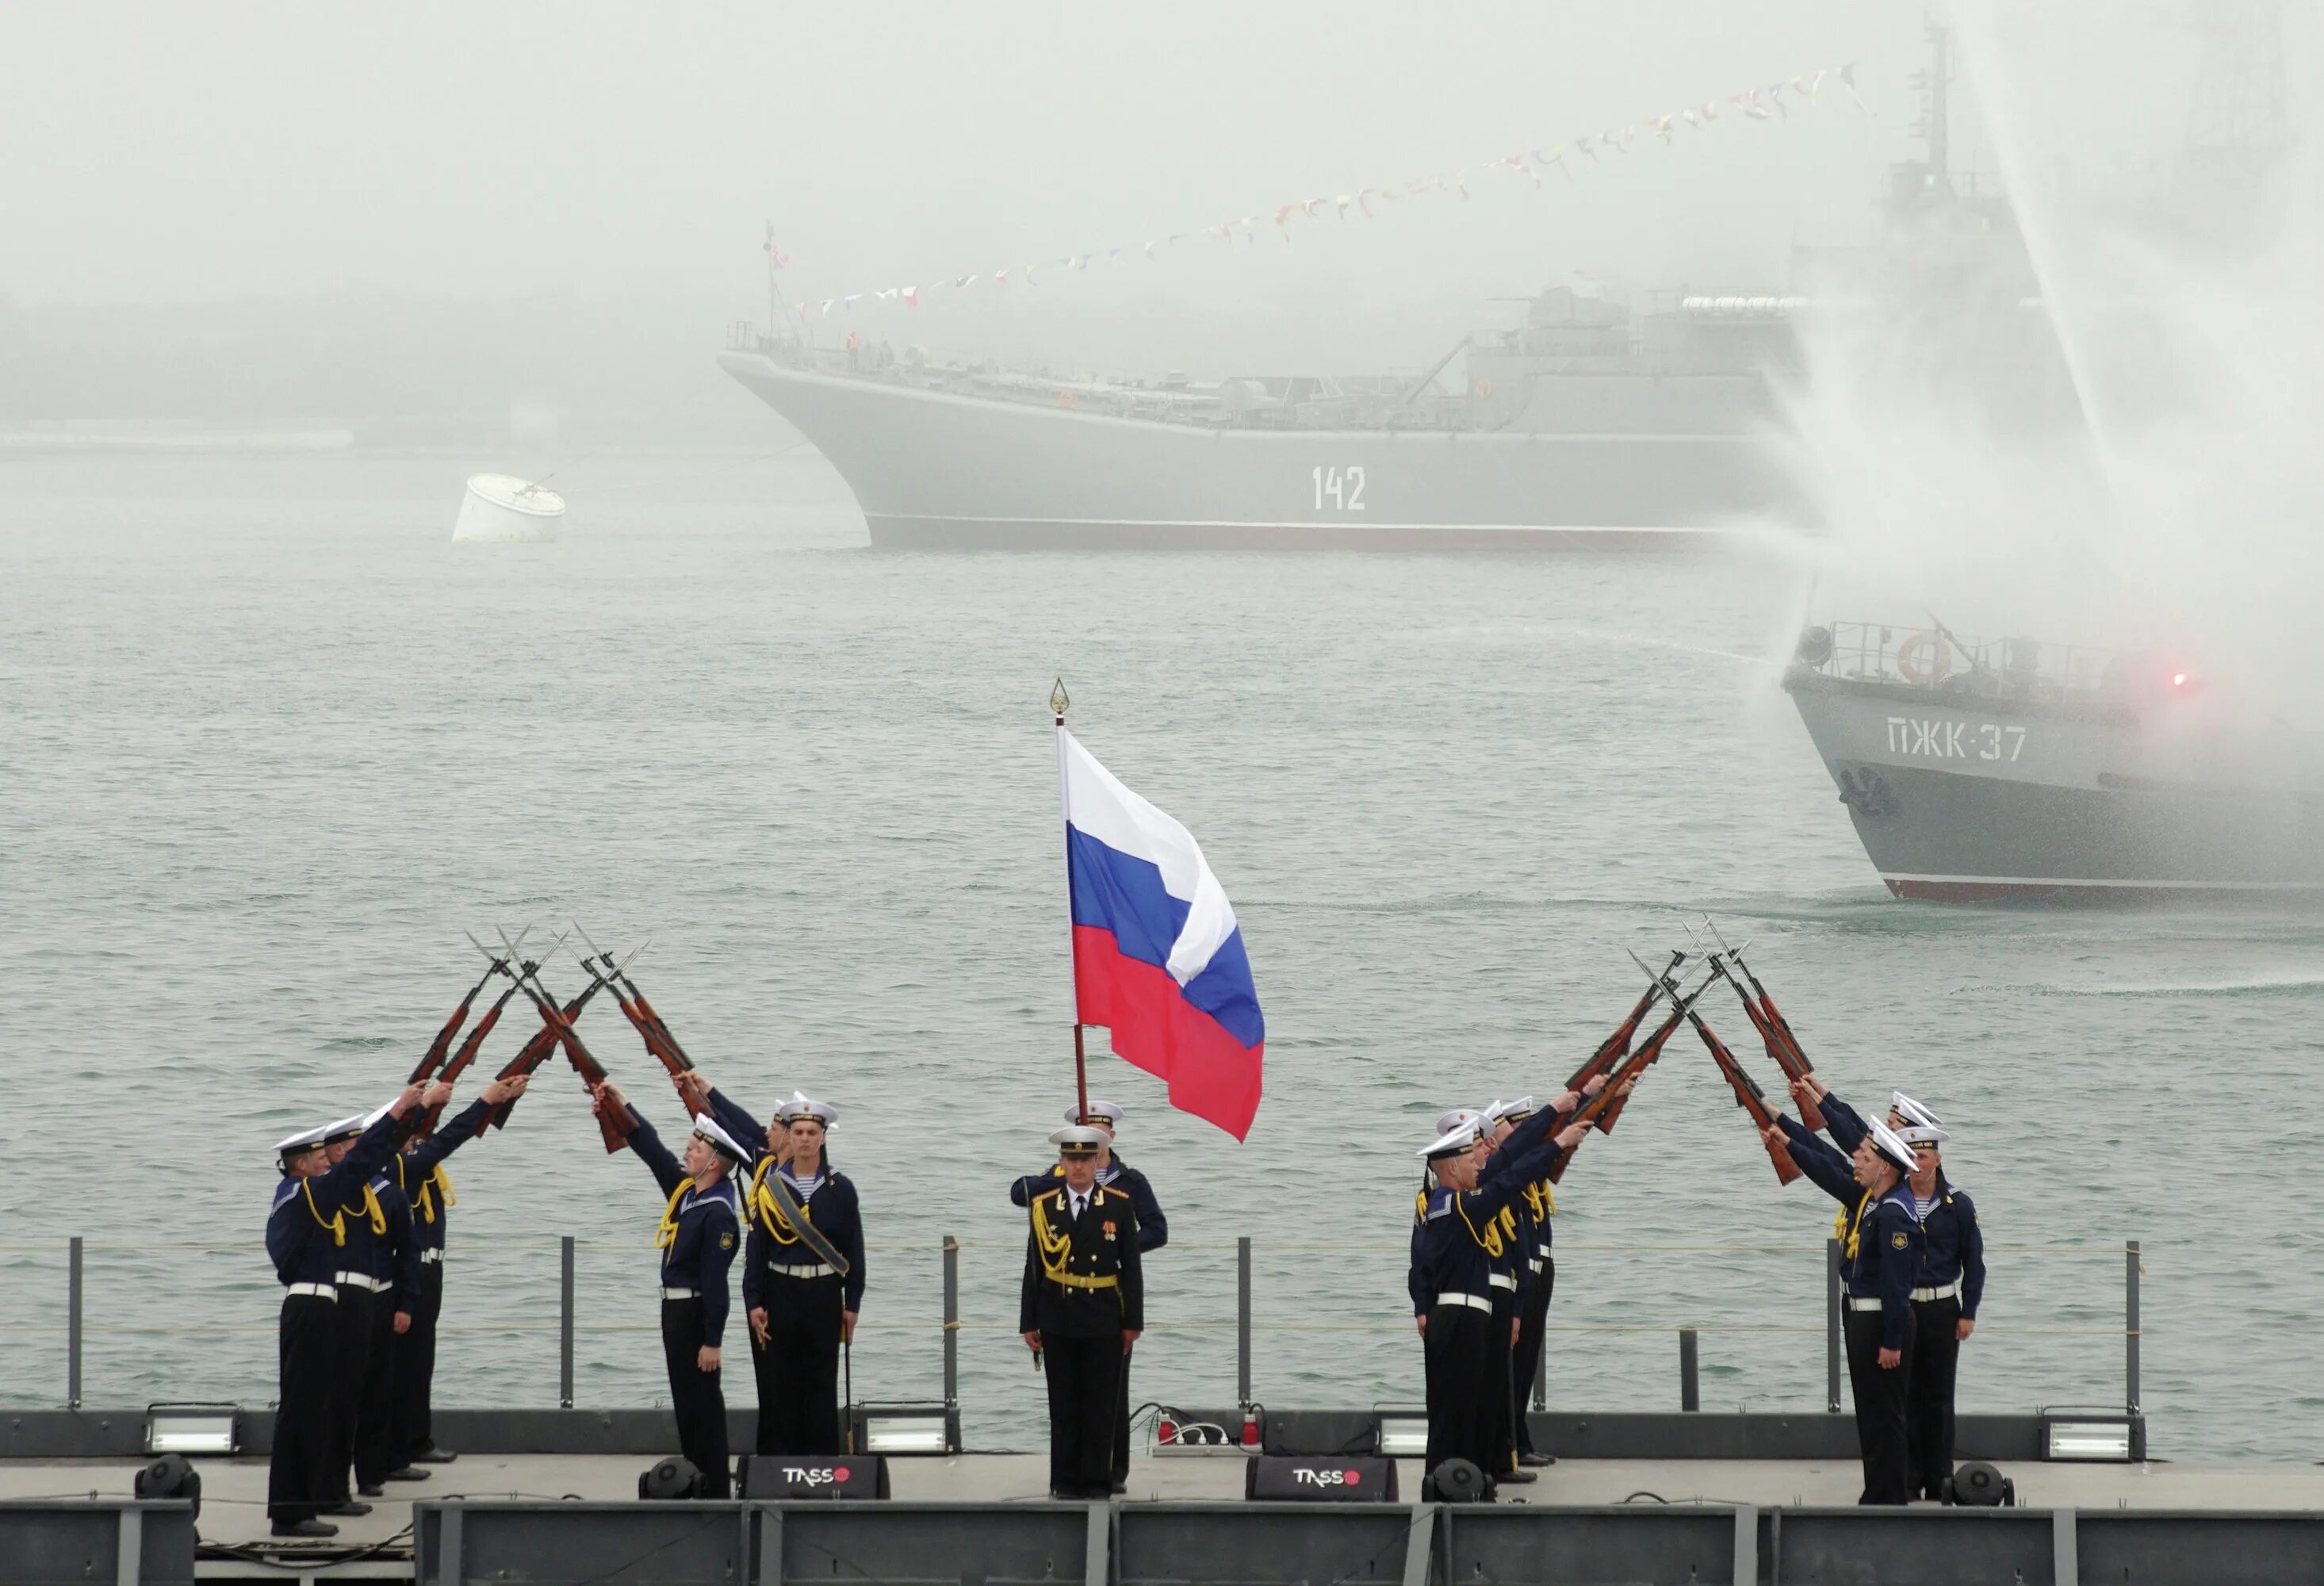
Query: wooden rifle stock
[[614, 1130], [443, 1041], [1751, 1099], [1774, 1034], [469, 1045], [537, 1050], [1644, 1057], [1596, 1108]]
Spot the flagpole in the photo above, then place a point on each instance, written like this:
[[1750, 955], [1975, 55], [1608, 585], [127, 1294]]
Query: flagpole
[[1058, 701]]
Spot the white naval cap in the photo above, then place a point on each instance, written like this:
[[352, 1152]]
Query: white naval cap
[[1911, 1111], [1510, 1111], [1105, 1114], [1453, 1118], [1923, 1134], [305, 1141], [1080, 1140], [725, 1144], [345, 1129], [1454, 1141], [801, 1105], [1885, 1140]]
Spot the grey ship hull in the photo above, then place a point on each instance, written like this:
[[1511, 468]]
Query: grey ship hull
[[1972, 801], [933, 468]]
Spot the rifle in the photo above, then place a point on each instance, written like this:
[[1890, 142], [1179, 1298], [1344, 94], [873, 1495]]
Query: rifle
[[1748, 1094], [1632, 1068], [536, 1050], [443, 1041], [465, 1055], [659, 1043], [615, 1129], [1617, 1045], [1775, 1034]]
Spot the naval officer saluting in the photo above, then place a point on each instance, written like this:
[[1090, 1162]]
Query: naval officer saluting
[[1082, 1306], [305, 1235], [701, 1227]]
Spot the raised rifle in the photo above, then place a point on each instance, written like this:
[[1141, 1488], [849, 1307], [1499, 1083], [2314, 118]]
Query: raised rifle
[[616, 1127], [1748, 1094], [537, 1050], [1618, 1046], [1775, 1034], [659, 1042], [1631, 1067], [443, 1041]]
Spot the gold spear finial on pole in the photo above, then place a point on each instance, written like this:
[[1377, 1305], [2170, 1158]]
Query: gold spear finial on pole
[[1058, 700]]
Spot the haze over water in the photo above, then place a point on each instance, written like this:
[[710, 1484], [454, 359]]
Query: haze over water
[[274, 741]]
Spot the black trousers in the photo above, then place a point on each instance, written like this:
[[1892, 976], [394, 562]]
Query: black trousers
[[1929, 1407], [350, 1357], [1880, 1399], [1525, 1364], [696, 1398], [305, 1350], [1121, 1466], [375, 1452], [412, 1429], [1499, 1410], [1084, 1382], [798, 1369], [1456, 1347]]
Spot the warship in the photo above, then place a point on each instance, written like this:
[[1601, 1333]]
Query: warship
[[1982, 769]]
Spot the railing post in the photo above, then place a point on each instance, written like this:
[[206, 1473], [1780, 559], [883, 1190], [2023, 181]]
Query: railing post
[[565, 1328], [72, 1325], [1689, 1386], [951, 1319], [1242, 1319], [2129, 1325], [1831, 1292]]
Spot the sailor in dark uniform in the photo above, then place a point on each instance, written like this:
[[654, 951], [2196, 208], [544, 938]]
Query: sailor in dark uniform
[[700, 1234], [1510, 1282], [418, 1170], [1946, 1294], [1460, 1237], [364, 1298], [1081, 1307], [1153, 1233], [395, 1295], [1880, 1260], [802, 1281], [305, 1238], [1539, 1275]]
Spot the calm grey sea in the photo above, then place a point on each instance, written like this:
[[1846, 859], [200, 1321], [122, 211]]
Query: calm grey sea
[[272, 742]]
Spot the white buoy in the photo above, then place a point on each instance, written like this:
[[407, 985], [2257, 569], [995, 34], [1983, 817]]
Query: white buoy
[[502, 507]]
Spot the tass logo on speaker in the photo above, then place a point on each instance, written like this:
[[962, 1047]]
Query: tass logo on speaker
[[1331, 1478], [815, 1477]]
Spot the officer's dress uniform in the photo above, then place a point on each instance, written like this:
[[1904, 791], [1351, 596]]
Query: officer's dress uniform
[[1082, 1288], [698, 1237], [418, 1171], [805, 1295], [1458, 1236], [305, 1235], [395, 1262], [1153, 1233], [1880, 1258]]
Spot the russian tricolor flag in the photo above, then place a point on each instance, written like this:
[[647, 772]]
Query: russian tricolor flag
[[1158, 957]]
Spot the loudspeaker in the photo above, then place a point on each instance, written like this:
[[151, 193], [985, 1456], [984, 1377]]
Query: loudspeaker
[[1977, 1485], [773, 1476], [1304, 1479], [1455, 1481], [670, 1480], [171, 1476]]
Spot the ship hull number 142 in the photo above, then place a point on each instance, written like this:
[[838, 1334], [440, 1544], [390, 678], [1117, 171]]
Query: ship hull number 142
[[1341, 488], [1940, 740]]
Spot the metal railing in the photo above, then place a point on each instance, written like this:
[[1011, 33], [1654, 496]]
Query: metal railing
[[1936, 658], [951, 1324]]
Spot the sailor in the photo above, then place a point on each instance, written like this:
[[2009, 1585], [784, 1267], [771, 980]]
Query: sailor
[[1153, 1233], [1510, 1287], [418, 1170], [1080, 1308], [362, 1291], [701, 1229], [1880, 1261], [394, 1269], [1534, 1211], [802, 1281], [1459, 1236], [1946, 1292], [306, 1233]]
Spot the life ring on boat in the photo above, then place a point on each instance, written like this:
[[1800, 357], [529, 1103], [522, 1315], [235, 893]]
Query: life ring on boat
[[1912, 668], [1481, 390]]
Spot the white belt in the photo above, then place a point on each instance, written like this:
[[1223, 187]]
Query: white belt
[[1544, 1250], [363, 1280], [1951, 1291], [681, 1294], [1507, 1280], [1535, 1264], [1475, 1302], [820, 1270], [320, 1291], [1857, 1303], [429, 1258]]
